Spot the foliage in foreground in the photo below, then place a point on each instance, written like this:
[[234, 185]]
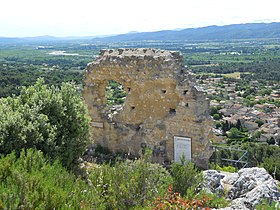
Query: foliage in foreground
[[202, 200], [266, 205], [130, 183], [53, 120], [259, 155], [32, 182], [186, 177]]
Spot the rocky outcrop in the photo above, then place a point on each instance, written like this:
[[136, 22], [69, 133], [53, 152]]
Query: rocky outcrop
[[246, 188], [162, 102], [212, 181]]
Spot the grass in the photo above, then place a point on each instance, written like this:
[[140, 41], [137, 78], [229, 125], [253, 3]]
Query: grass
[[235, 75]]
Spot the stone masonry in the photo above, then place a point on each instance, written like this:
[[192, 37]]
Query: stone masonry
[[162, 102]]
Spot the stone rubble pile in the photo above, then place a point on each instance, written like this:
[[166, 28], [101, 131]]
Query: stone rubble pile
[[246, 188]]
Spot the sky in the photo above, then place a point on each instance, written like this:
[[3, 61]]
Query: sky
[[25, 18]]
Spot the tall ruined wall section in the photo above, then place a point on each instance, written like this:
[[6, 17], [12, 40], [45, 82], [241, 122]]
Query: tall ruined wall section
[[162, 102]]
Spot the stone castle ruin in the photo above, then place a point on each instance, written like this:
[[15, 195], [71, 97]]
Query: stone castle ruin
[[163, 109]]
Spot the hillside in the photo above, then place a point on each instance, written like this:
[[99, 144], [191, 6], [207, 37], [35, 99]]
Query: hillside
[[236, 31]]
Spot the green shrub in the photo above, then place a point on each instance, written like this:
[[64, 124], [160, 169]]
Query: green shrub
[[216, 117], [213, 201], [230, 169], [266, 156], [52, 120], [31, 182], [265, 205], [272, 164], [130, 183], [185, 177]]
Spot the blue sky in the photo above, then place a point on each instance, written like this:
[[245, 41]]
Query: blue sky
[[21, 18]]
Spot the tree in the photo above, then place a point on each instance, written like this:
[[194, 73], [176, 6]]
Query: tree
[[216, 117], [234, 133], [50, 119], [213, 110], [225, 126], [186, 177], [238, 124], [259, 122]]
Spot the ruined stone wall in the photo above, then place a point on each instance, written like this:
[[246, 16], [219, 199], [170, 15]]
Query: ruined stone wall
[[162, 102]]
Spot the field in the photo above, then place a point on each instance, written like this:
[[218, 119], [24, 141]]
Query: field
[[59, 61]]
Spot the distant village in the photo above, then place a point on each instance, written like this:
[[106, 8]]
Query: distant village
[[260, 117]]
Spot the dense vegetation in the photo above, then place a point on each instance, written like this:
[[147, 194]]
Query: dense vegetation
[[53, 120], [23, 65], [265, 154], [254, 59], [45, 128], [33, 182], [13, 76]]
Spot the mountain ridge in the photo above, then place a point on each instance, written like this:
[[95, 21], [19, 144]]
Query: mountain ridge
[[213, 32], [234, 31]]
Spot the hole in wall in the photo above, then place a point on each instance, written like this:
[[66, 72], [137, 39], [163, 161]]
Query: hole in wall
[[172, 111], [187, 105], [185, 92], [132, 107], [116, 96], [163, 91]]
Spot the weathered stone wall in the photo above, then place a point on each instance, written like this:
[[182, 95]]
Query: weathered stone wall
[[162, 102]]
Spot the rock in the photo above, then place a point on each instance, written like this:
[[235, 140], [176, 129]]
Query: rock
[[159, 88], [252, 185], [212, 181], [247, 188], [230, 178], [239, 203]]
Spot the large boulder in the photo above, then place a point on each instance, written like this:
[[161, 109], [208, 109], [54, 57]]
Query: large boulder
[[253, 185], [212, 181], [246, 189]]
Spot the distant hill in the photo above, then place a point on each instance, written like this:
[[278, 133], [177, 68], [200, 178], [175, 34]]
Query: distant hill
[[41, 39], [236, 31]]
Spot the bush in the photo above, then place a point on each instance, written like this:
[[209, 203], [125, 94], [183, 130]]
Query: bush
[[272, 164], [185, 177], [266, 205], [130, 183], [52, 120], [230, 169], [216, 117], [173, 200], [31, 182]]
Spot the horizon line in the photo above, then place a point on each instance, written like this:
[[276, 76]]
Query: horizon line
[[108, 35]]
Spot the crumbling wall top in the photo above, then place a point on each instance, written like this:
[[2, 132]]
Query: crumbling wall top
[[141, 53]]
